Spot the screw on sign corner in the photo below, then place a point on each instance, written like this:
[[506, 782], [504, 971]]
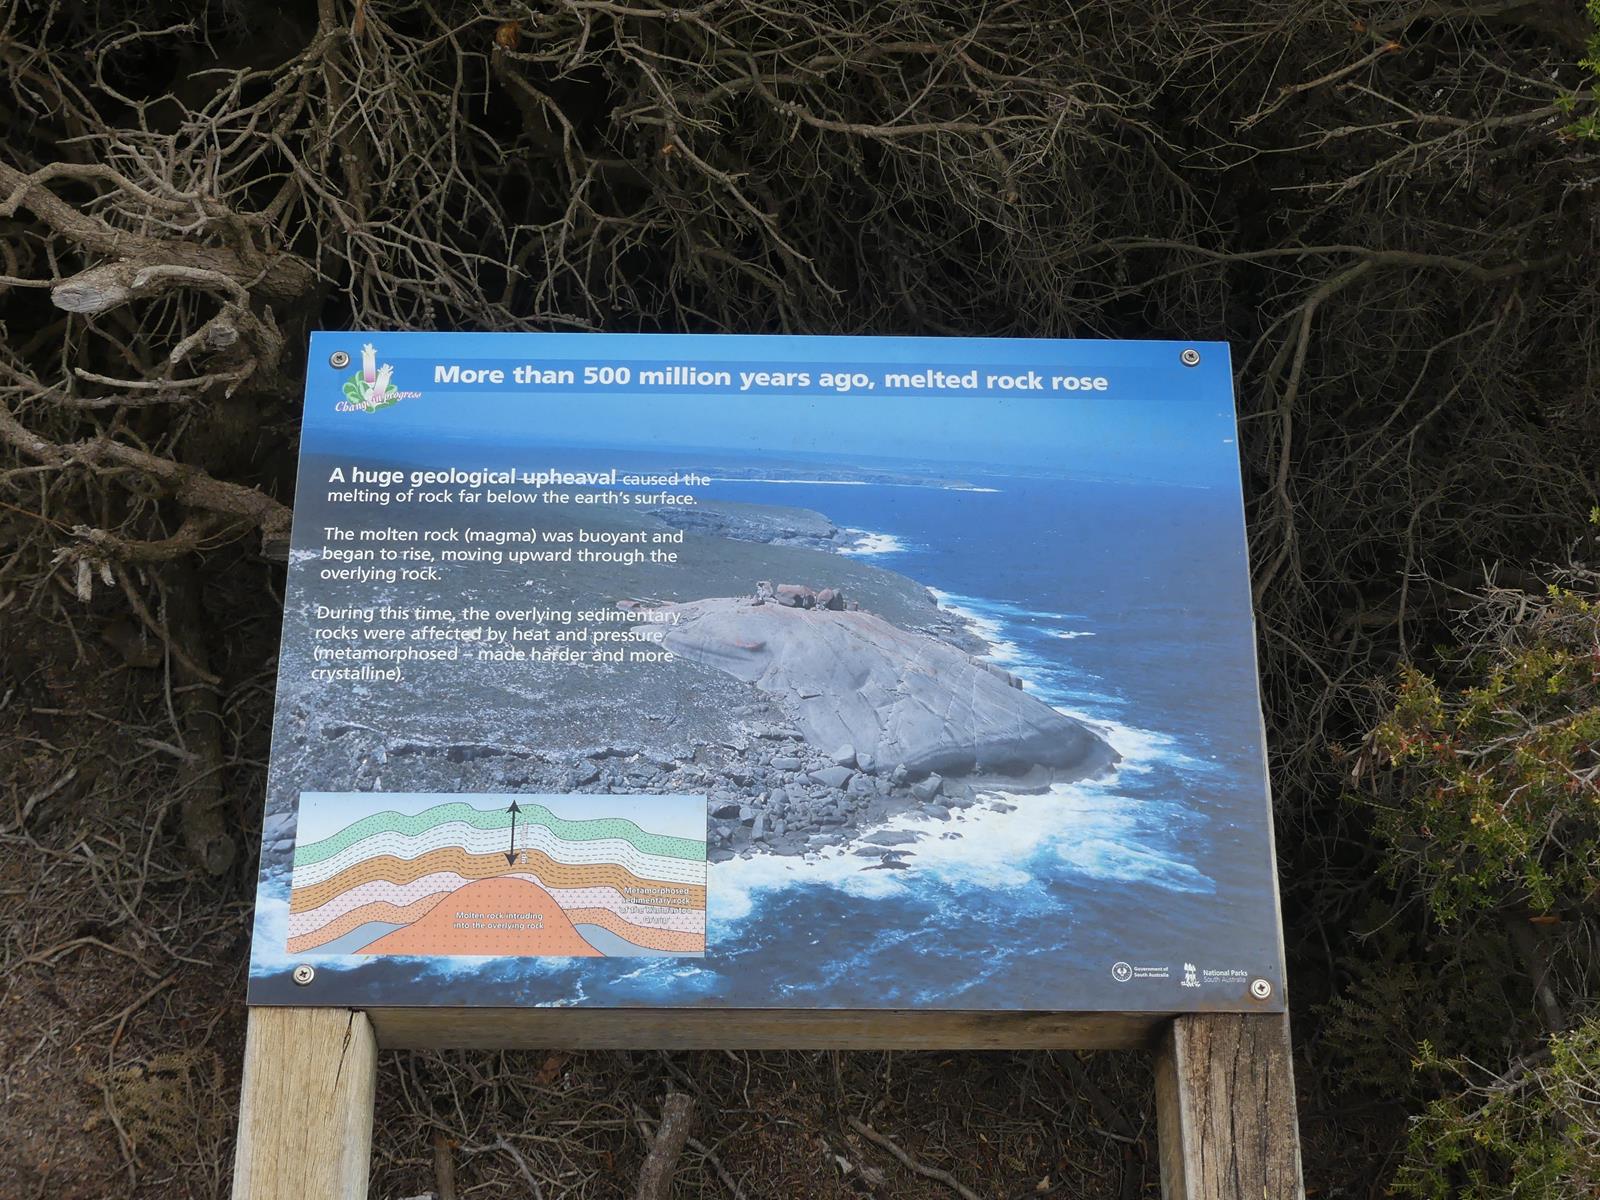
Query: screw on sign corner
[[1190, 357], [1261, 989], [303, 974], [338, 360]]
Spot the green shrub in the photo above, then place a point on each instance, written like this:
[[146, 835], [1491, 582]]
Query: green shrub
[[1497, 803], [1586, 125], [1531, 1132], [1484, 780]]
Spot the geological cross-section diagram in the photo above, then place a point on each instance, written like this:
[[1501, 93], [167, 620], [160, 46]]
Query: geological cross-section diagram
[[426, 876]]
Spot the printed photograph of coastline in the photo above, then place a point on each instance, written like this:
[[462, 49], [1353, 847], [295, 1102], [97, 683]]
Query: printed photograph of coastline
[[965, 685]]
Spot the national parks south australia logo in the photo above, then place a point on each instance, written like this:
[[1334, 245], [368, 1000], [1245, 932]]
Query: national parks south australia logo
[[370, 388]]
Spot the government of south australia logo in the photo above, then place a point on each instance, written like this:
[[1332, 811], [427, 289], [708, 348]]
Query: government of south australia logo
[[372, 387]]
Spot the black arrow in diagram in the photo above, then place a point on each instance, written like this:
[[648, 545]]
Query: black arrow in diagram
[[511, 854]]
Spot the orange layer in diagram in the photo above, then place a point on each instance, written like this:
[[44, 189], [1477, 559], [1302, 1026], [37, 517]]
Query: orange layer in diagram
[[381, 910], [490, 916], [651, 939], [480, 866], [378, 910]]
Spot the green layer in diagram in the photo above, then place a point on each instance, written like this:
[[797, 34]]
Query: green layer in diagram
[[531, 814]]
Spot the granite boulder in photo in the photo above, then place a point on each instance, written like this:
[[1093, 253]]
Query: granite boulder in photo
[[907, 701]]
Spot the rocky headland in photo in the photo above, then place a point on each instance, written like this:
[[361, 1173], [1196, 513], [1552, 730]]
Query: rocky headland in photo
[[814, 697]]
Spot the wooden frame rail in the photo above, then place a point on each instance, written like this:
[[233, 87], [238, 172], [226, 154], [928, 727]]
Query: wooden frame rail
[[1224, 1081]]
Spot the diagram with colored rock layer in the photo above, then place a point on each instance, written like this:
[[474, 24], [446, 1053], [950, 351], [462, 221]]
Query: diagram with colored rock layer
[[500, 875]]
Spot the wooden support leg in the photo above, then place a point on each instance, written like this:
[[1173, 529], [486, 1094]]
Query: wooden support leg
[[1226, 1111], [305, 1107]]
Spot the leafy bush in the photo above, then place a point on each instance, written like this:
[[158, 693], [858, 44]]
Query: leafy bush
[[1533, 1131], [1587, 126], [1497, 802], [1483, 780]]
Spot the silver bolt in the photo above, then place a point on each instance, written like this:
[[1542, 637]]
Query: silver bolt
[[338, 359], [1260, 988], [1190, 357], [303, 974]]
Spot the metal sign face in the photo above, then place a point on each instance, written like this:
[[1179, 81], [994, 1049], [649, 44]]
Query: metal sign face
[[723, 672]]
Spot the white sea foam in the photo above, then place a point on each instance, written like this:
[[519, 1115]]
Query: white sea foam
[[983, 622], [1141, 749], [816, 482], [1091, 828], [1002, 650], [994, 609], [869, 543], [943, 487], [1088, 824]]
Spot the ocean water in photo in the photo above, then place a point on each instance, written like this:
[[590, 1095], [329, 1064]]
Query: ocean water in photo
[[1116, 602], [1097, 594]]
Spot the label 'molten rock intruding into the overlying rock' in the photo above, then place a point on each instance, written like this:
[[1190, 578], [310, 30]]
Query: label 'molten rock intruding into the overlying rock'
[[903, 698]]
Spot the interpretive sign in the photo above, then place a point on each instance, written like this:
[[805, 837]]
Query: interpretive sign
[[720, 672]]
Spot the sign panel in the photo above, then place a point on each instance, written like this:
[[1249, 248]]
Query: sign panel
[[767, 672]]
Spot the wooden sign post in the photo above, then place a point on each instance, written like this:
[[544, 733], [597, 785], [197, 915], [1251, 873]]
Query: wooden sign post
[[1225, 1103], [767, 692]]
